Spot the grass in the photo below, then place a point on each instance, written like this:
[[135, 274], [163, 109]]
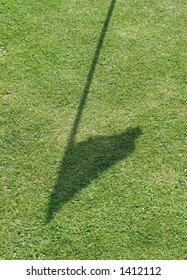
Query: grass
[[118, 190]]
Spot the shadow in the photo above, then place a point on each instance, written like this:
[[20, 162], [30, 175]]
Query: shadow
[[84, 161], [90, 74]]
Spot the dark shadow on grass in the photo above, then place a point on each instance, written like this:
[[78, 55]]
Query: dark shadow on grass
[[90, 75], [84, 161]]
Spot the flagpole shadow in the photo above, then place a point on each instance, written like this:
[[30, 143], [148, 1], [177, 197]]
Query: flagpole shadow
[[90, 75], [84, 161]]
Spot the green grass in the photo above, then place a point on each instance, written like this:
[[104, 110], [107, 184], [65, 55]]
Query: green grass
[[119, 192]]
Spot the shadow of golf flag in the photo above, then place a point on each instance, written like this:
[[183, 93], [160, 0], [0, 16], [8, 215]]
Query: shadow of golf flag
[[85, 160]]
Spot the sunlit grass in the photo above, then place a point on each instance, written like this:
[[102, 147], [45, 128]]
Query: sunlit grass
[[131, 205]]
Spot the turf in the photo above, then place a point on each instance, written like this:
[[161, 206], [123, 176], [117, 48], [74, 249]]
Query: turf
[[93, 129]]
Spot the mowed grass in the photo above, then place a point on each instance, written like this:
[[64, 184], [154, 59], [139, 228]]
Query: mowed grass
[[120, 191]]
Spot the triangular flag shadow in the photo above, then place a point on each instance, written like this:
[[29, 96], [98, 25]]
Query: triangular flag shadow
[[85, 160]]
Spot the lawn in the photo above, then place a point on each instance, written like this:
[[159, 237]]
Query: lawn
[[93, 129]]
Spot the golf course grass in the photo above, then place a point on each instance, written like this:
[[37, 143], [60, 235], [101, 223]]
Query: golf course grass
[[93, 129]]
